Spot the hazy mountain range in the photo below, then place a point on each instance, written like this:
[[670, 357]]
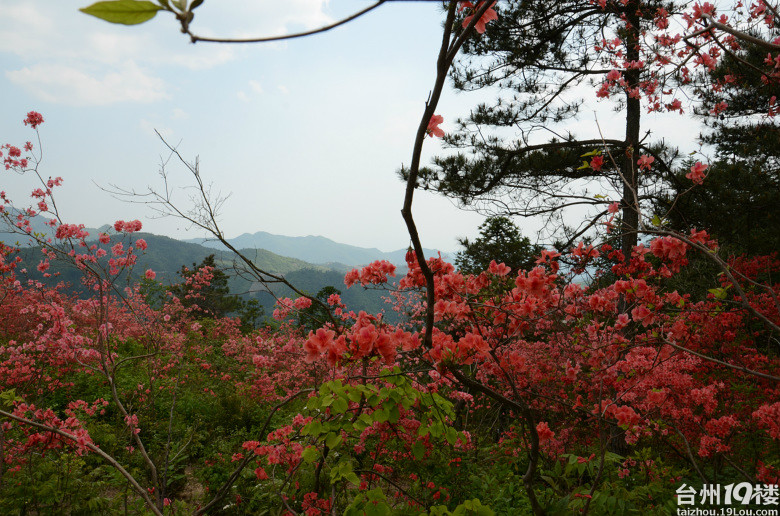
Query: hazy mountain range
[[310, 263], [313, 249]]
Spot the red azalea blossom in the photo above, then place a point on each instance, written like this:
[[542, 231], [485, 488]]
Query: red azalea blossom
[[34, 119], [697, 173], [433, 126], [486, 18], [645, 162], [544, 432]]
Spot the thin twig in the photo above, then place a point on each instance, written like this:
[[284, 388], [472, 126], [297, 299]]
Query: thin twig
[[195, 38], [140, 490]]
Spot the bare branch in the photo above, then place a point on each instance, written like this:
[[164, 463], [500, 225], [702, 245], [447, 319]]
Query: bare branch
[[223, 490], [721, 362], [744, 36], [113, 462], [195, 38]]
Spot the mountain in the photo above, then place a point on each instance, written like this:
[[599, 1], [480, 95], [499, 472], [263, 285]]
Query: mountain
[[39, 226], [310, 263], [313, 249], [166, 256]]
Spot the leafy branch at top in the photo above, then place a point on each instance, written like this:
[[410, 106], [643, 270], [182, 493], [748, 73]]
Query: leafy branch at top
[[134, 12]]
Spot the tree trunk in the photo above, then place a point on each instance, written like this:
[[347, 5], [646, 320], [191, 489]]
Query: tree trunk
[[628, 229]]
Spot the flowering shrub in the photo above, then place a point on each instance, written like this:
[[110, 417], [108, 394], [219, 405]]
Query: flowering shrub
[[363, 412]]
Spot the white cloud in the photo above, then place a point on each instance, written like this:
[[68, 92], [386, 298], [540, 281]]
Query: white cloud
[[180, 114], [63, 84], [152, 128], [238, 18], [113, 47], [283, 89], [42, 31], [21, 27], [256, 87], [200, 58]]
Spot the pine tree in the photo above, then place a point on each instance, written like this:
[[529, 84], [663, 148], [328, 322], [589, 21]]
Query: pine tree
[[537, 54], [500, 240], [739, 202], [214, 299]]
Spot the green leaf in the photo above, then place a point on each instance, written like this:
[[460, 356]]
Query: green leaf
[[343, 470], [591, 153], [354, 395], [393, 414], [550, 480], [314, 403], [380, 415], [9, 397], [418, 450], [333, 439], [313, 428], [310, 454], [451, 435], [719, 293], [339, 405], [125, 12], [363, 422], [656, 221], [585, 165]]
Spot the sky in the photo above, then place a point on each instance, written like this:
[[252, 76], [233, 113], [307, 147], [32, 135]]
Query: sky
[[304, 136]]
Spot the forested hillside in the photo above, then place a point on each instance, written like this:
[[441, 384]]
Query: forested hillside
[[166, 256]]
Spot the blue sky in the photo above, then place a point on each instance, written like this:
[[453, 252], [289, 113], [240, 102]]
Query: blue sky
[[304, 135]]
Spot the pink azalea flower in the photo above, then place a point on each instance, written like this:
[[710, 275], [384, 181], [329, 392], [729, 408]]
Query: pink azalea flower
[[34, 119], [544, 432], [645, 162], [487, 17], [433, 126], [697, 173]]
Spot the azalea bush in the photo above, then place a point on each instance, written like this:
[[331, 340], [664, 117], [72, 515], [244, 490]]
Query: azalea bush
[[557, 395]]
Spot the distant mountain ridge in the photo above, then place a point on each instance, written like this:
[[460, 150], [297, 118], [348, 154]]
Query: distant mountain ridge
[[40, 227], [313, 249], [165, 256], [317, 250], [310, 263]]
